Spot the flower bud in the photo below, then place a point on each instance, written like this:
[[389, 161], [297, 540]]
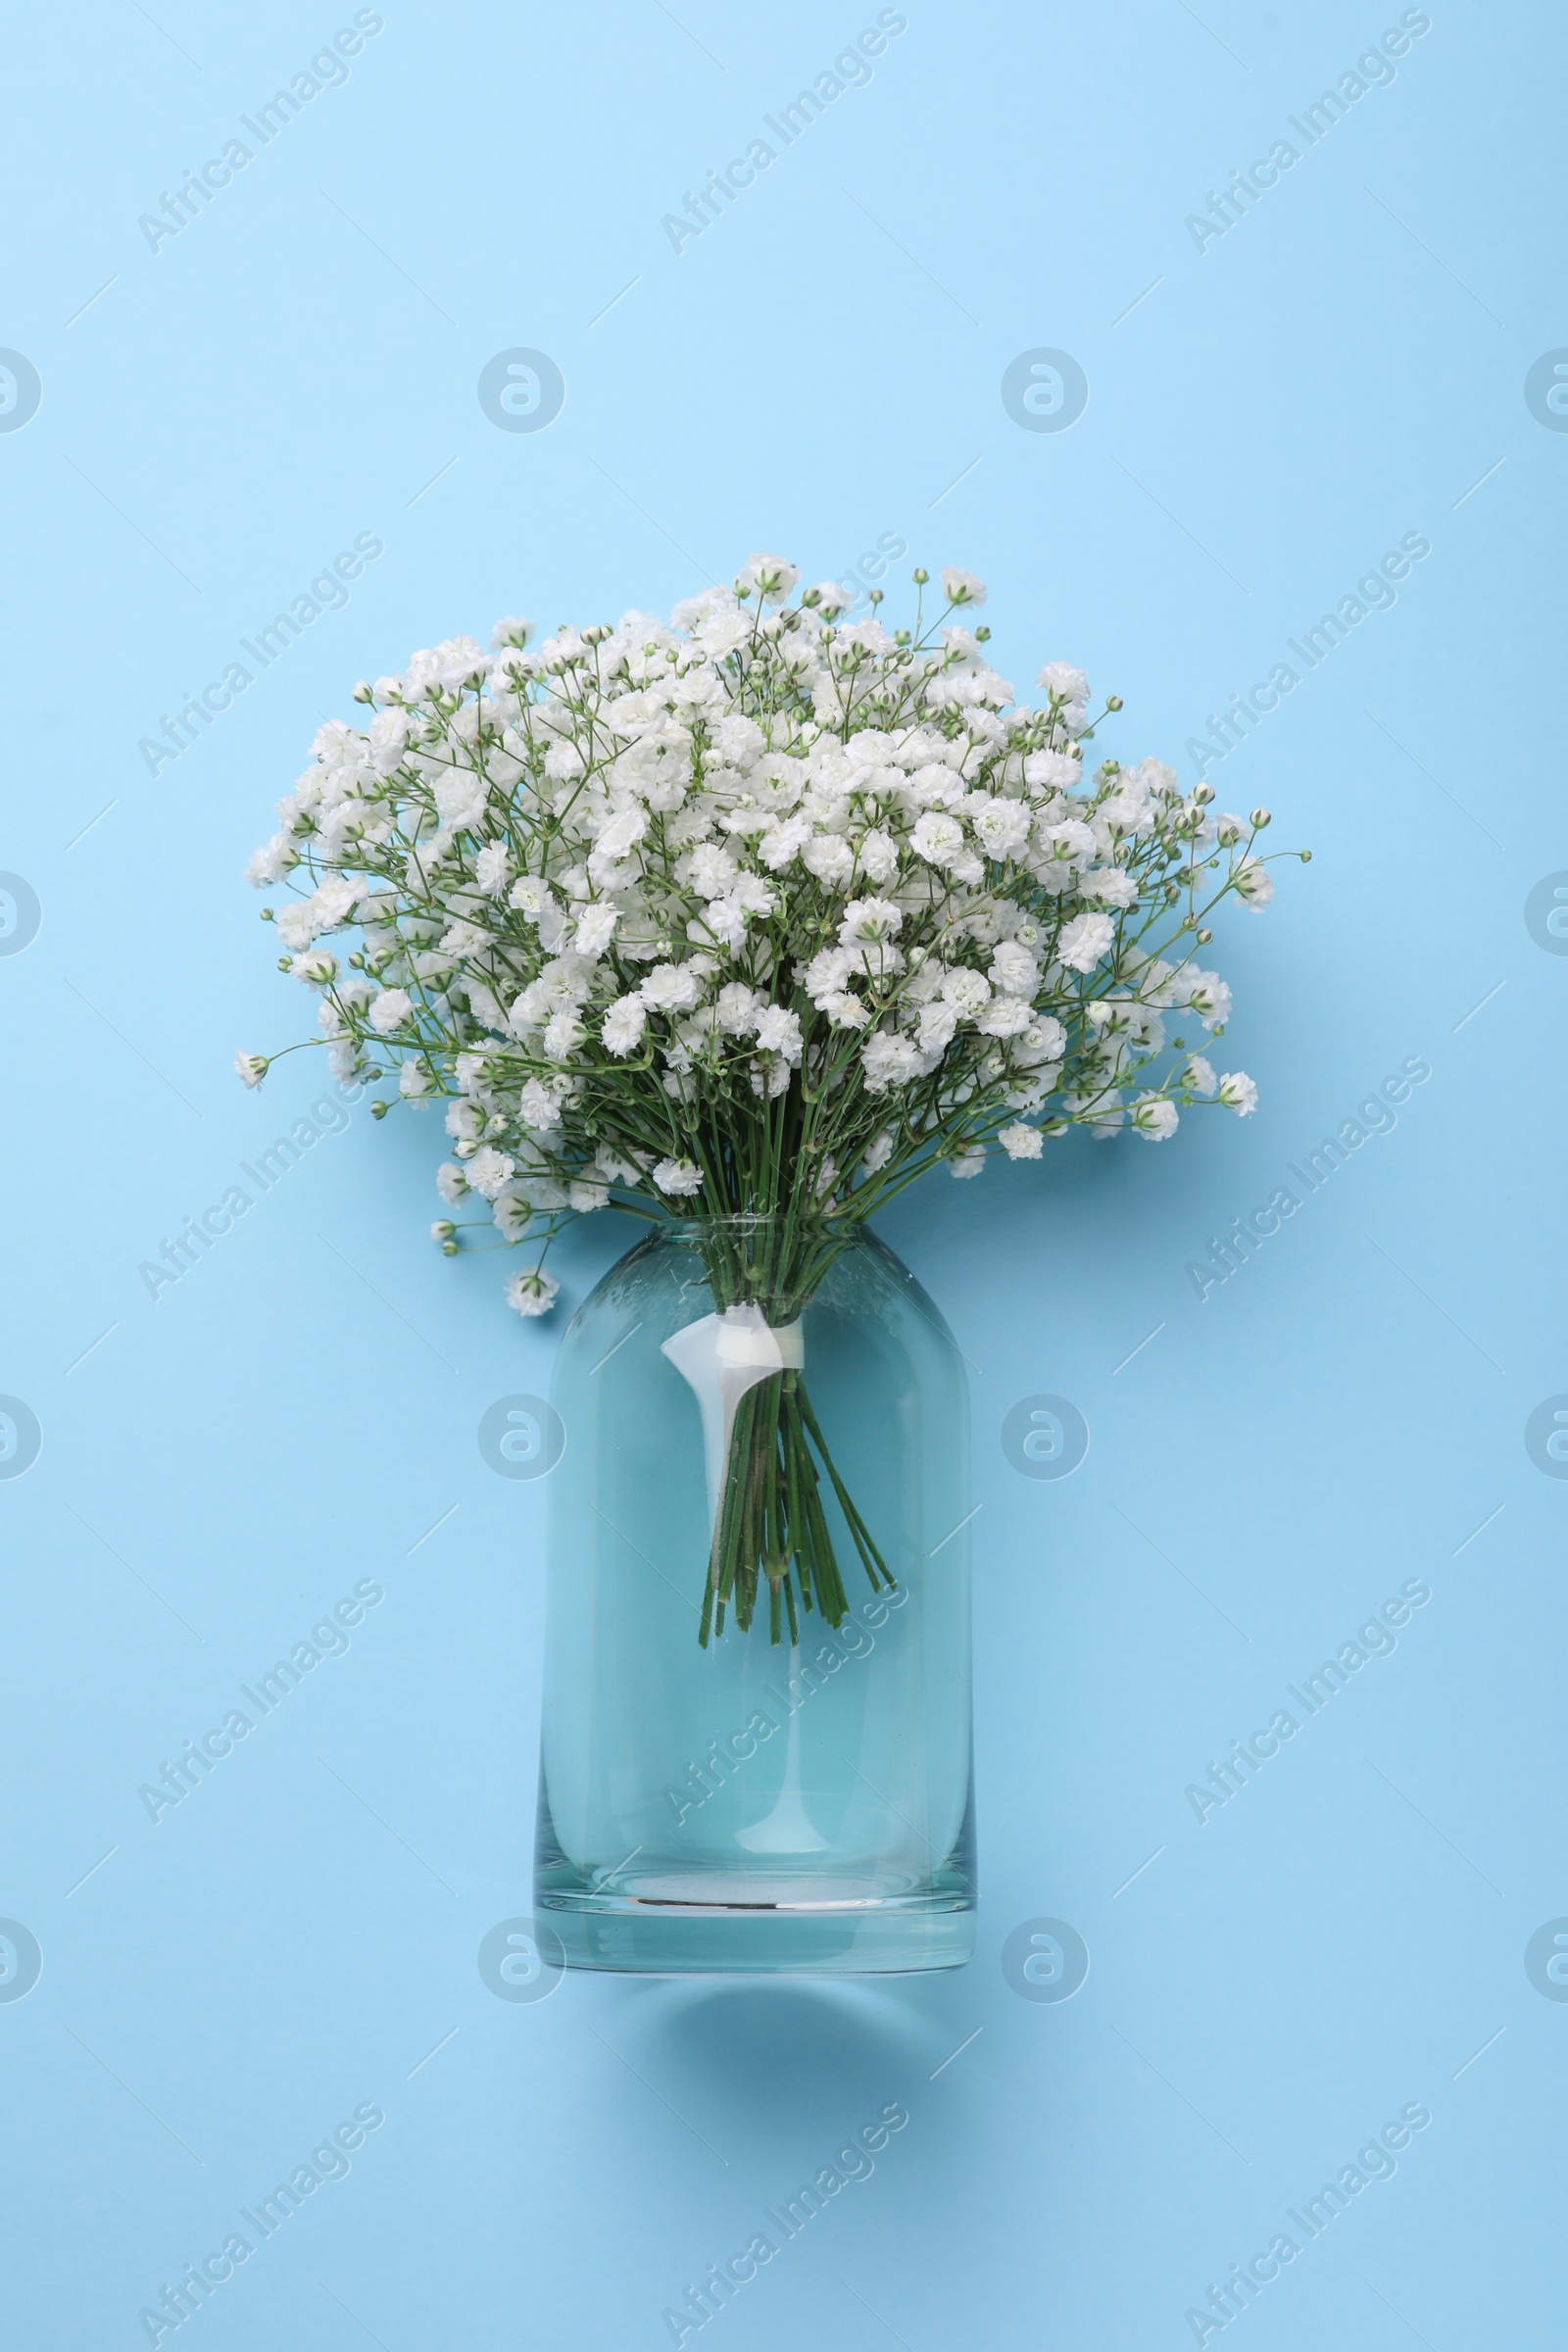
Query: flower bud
[[1203, 794], [362, 692], [442, 1230], [285, 963], [448, 1249], [1114, 702], [378, 1109], [1203, 938], [921, 575], [1305, 855], [1261, 818]]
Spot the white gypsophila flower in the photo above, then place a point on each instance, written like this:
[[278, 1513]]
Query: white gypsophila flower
[[270, 863], [868, 920], [491, 867], [532, 1293], [779, 1031], [1014, 970], [252, 1067], [1085, 941], [1237, 1092], [937, 838], [671, 988], [756, 908], [564, 1033], [829, 857], [1206, 994], [460, 800], [962, 587], [1153, 1117], [939, 1021], [1045, 1040], [771, 577], [512, 1213], [888, 1060], [963, 1164], [1254, 883], [539, 1104], [678, 1177], [1001, 827], [967, 989], [1003, 1016], [489, 1169], [462, 939], [296, 924], [1111, 885], [1053, 771], [623, 1025], [390, 1009]]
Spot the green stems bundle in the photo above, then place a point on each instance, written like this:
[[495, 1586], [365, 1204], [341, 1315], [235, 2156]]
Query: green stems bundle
[[771, 1526]]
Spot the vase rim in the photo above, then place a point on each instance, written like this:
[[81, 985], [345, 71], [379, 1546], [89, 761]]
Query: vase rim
[[688, 1228]]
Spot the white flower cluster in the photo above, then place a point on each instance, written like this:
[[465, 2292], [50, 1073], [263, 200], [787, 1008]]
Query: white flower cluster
[[759, 913]]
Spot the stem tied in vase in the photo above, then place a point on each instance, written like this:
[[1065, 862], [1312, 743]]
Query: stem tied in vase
[[770, 1526]]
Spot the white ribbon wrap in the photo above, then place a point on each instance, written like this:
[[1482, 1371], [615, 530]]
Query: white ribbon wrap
[[719, 1359]]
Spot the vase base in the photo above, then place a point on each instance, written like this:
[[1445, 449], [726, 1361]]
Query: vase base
[[761, 1925]]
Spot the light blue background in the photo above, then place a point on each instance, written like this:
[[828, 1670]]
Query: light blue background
[[218, 1467]]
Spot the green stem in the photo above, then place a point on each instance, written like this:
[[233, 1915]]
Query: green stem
[[771, 1520]]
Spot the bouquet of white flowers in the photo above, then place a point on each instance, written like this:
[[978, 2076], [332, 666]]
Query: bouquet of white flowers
[[758, 917]]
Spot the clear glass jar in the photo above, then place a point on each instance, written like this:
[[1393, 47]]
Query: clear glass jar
[[756, 1749]]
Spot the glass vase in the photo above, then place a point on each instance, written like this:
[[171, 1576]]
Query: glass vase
[[756, 1749]]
